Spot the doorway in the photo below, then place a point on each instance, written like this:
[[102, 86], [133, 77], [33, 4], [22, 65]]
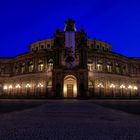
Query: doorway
[[70, 87]]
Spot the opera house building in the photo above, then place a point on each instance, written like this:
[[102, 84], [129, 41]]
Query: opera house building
[[70, 65]]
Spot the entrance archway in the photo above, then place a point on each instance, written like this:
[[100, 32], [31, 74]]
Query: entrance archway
[[70, 87]]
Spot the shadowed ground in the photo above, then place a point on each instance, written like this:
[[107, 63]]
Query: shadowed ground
[[129, 106], [67, 120], [17, 105]]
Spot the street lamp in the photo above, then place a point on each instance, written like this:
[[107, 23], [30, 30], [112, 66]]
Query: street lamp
[[100, 86], [112, 86], [135, 89], [18, 87], [40, 85], [130, 88], [28, 86], [122, 87], [5, 87], [10, 89]]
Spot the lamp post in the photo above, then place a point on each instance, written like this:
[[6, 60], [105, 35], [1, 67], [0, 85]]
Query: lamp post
[[10, 89], [100, 86], [28, 86], [18, 89], [135, 89], [122, 87], [5, 88], [112, 86], [40, 88], [130, 88]]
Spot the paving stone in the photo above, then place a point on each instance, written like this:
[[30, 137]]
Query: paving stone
[[69, 120]]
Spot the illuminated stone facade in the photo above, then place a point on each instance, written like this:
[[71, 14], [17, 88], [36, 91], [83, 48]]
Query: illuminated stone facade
[[70, 65]]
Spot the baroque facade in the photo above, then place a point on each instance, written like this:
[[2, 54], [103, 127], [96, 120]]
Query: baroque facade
[[70, 65]]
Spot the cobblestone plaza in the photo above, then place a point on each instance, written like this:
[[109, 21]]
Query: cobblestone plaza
[[68, 120]]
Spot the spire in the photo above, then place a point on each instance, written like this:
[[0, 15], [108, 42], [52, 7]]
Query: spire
[[69, 25]]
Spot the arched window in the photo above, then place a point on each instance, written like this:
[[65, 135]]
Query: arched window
[[40, 65], [31, 66], [99, 66], [117, 68], [50, 64], [90, 65], [124, 69], [109, 67]]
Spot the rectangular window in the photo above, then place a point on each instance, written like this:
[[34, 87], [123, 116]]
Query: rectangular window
[[99, 67], [31, 68], [22, 69], [117, 69], [109, 68], [90, 67], [40, 67]]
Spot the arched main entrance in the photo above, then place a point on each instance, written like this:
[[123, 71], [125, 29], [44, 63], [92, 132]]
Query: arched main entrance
[[70, 87]]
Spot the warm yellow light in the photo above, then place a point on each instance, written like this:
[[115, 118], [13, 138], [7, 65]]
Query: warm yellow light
[[70, 80], [65, 89], [135, 87], [112, 86], [5, 87], [40, 85], [130, 87], [18, 86], [75, 88], [10, 87], [28, 86], [90, 67], [41, 65], [122, 86], [99, 67], [100, 85]]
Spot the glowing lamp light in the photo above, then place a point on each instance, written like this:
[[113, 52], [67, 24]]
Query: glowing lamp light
[[130, 87], [100, 85], [135, 88], [75, 88], [10, 87], [112, 86], [122, 86], [40, 85], [28, 86], [65, 89], [41, 65], [5, 87], [18, 86]]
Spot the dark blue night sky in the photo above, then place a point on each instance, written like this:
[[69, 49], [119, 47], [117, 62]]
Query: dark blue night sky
[[25, 21]]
